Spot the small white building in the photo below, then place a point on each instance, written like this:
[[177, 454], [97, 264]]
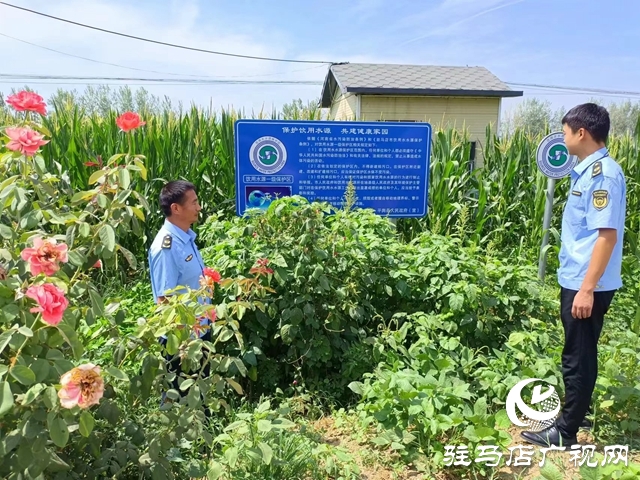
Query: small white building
[[458, 97]]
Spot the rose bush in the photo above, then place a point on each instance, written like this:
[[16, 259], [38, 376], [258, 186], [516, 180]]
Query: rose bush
[[67, 409], [50, 238]]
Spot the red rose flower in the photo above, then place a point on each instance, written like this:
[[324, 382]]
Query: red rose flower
[[129, 121], [212, 275]]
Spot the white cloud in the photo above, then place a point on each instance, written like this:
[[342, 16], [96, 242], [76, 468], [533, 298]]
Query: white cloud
[[362, 10], [180, 24], [465, 4], [488, 6], [451, 42]]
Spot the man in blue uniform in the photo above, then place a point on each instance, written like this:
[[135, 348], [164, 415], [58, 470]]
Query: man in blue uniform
[[590, 263], [174, 258]]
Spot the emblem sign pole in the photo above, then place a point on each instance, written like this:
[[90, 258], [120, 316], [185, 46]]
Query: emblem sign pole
[[554, 162]]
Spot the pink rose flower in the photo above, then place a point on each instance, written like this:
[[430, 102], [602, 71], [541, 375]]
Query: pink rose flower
[[24, 140], [51, 302], [27, 101], [129, 121], [45, 255], [82, 386]]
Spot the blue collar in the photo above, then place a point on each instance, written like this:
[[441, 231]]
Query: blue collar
[[180, 234], [591, 159]]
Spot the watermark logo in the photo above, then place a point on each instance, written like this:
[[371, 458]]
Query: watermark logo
[[535, 419], [547, 405]]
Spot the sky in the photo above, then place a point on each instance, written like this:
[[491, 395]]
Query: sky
[[571, 43]]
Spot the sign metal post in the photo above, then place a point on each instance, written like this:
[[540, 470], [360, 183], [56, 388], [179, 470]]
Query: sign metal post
[[554, 161]]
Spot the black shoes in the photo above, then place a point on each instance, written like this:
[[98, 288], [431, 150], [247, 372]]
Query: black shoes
[[548, 437], [552, 436], [586, 424]]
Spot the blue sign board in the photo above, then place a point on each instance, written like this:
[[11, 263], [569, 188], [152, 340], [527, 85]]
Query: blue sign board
[[387, 162]]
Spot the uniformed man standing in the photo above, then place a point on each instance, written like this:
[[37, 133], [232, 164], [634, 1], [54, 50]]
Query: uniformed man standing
[[174, 258], [590, 263]]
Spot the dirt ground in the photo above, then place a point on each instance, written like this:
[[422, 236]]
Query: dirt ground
[[566, 465], [383, 465], [373, 465]]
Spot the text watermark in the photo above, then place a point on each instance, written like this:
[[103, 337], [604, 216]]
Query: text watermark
[[489, 455]]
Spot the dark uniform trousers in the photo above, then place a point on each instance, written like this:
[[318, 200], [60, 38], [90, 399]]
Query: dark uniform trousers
[[580, 357], [174, 364]]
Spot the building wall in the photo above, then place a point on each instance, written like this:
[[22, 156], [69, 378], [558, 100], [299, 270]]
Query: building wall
[[343, 107], [471, 113]]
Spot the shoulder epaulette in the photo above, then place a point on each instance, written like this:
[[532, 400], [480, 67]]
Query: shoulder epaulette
[[166, 241], [597, 169]]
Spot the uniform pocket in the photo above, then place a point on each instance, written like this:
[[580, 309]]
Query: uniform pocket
[[576, 209]]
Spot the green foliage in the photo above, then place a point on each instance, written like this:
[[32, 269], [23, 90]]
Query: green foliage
[[611, 470], [58, 420], [38, 433], [431, 390], [424, 394], [329, 274], [618, 386], [267, 444], [339, 274], [504, 195], [491, 205]]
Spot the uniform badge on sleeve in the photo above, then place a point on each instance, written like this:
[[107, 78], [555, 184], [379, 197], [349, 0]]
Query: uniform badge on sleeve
[[600, 199], [166, 241]]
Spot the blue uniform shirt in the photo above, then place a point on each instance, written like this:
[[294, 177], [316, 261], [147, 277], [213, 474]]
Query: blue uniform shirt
[[597, 199], [175, 261]]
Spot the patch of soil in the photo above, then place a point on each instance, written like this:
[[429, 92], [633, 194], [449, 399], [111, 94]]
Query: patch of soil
[[374, 465], [563, 460], [385, 465]]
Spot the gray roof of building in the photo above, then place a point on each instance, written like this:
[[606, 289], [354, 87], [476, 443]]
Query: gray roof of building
[[431, 80]]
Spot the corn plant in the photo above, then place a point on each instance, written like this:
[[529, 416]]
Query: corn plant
[[497, 206]]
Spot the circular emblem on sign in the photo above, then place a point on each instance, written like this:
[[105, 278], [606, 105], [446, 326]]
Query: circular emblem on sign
[[553, 156], [268, 155]]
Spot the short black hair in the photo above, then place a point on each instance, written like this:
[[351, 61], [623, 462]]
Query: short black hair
[[174, 192], [593, 118]]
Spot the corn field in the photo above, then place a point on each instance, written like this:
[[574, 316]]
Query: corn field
[[499, 206]]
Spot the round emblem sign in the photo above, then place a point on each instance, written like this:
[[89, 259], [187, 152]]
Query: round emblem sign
[[268, 155], [553, 157]]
